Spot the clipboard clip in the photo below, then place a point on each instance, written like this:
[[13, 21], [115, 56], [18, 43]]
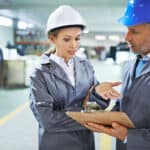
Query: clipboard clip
[[92, 107]]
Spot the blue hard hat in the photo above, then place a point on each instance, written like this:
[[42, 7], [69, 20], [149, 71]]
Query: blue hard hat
[[136, 12]]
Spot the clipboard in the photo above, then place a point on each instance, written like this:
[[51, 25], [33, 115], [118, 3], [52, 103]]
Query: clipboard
[[102, 117]]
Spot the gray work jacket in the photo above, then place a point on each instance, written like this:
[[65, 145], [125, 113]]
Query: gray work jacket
[[52, 94], [136, 103]]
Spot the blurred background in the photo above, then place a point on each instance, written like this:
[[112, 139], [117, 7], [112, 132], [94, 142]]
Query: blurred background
[[23, 40]]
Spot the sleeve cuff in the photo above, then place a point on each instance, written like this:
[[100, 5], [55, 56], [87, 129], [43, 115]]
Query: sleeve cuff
[[99, 100], [125, 140]]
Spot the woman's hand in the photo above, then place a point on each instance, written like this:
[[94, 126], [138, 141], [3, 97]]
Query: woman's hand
[[106, 90]]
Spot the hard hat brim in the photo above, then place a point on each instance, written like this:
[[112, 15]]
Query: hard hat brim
[[126, 22], [68, 26], [129, 22]]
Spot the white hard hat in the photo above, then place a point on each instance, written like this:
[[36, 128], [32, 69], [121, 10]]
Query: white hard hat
[[64, 16]]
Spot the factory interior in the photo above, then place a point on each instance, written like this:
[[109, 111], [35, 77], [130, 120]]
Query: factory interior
[[22, 42]]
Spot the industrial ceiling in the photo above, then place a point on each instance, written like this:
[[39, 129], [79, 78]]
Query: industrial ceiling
[[100, 15]]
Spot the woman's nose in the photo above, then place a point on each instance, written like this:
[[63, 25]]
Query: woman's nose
[[73, 44]]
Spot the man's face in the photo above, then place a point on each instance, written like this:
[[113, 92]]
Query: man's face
[[138, 38]]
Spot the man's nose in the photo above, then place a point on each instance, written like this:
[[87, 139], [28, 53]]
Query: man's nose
[[127, 36]]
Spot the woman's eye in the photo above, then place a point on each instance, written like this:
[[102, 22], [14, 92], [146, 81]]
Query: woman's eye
[[66, 39]]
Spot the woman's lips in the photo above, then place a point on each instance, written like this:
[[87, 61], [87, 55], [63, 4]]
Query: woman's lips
[[71, 52]]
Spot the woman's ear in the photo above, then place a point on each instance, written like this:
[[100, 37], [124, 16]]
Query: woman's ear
[[52, 38]]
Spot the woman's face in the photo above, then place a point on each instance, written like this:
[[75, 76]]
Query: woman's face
[[67, 42]]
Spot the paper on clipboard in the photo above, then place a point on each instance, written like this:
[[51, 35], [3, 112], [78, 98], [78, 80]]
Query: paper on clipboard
[[102, 117]]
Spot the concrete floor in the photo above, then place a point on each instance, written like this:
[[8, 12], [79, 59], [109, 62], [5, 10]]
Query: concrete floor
[[18, 128]]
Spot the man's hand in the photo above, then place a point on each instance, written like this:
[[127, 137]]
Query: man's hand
[[117, 130], [106, 90]]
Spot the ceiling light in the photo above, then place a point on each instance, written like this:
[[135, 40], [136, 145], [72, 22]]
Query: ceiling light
[[113, 37], [30, 25], [100, 37], [22, 25], [5, 21]]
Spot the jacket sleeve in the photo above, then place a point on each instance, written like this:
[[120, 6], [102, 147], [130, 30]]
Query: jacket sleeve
[[43, 104], [95, 96], [138, 139]]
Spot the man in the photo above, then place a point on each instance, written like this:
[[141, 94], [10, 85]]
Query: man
[[135, 101]]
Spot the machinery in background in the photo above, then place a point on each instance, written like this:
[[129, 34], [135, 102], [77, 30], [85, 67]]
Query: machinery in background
[[15, 69], [120, 53]]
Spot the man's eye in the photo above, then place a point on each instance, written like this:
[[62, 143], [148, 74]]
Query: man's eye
[[135, 32], [77, 39]]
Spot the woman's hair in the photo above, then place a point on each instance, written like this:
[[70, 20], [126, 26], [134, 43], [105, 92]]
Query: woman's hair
[[55, 31], [50, 51]]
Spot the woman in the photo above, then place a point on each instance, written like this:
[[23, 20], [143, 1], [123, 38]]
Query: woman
[[61, 83]]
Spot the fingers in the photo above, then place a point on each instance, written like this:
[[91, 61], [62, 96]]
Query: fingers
[[90, 128], [111, 94], [86, 99], [115, 125], [104, 96], [116, 83], [115, 93], [94, 127], [106, 90], [116, 130], [104, 129], [101, 128], [120, 131]]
